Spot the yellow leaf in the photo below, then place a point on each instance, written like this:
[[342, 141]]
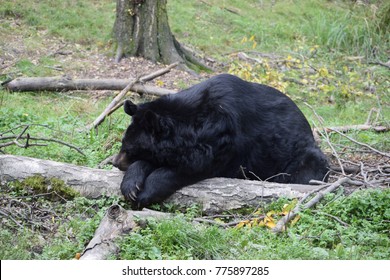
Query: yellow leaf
[[261, 224], [242, 224], [244, 40], [268, 219], [270, 213], [252, 38], [323, 72], [254, 45], [159, 83], [295, 220], [289, 206], [270, 224]]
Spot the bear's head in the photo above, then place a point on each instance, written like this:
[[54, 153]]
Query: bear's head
[[140, 140]]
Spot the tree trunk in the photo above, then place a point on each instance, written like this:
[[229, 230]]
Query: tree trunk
[[141, 29], [215, 195]]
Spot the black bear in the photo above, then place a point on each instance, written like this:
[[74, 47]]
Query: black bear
[[222, 127]]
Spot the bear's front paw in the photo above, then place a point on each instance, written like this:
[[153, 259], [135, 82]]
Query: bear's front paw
[[131, 189], [143, 200]]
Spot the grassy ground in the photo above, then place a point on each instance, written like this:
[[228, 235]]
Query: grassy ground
[[318, 52]]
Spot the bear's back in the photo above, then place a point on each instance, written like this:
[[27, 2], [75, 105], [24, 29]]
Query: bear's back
[[250, 108]]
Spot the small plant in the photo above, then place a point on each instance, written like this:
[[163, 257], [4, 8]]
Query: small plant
[[53, 187]]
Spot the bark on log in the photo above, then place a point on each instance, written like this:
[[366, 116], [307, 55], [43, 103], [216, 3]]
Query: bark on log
[[66, 84], [89, 182], [215, 195]]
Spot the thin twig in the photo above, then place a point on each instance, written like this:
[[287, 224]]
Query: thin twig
[[281, 225], [35, 144], [119, 97], [325, 135], [11, 218], [387, 64], [333, 217], [20, 136], [362, 144]]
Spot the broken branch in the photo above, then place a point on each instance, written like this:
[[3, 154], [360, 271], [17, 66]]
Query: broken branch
[[361, 144], [119, 97], [27, 144], [282, 223]]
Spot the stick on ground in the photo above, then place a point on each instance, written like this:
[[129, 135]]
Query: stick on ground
[[282, 223], [119, 97]]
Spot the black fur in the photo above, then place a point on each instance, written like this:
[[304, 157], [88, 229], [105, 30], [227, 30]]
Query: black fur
[[222, 127]]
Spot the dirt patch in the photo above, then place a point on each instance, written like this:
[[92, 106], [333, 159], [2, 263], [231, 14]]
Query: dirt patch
[[60, 58]]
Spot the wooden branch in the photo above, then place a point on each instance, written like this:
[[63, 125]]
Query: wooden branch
[[16, 137], [325, 134], [119, 97], [230, 10], [116, 222], [333, 217], [66, 84], [281, 225], [362, 144], [361, 127], [214, 195], [384, 64]]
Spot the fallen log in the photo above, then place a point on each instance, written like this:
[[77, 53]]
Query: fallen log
[[67, 83], [214, 195]]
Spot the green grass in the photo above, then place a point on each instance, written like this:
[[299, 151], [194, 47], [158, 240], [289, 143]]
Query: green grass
[[315, 236], [336, 26], [47, 226], [73, 20], [318, 234], [64, 118]]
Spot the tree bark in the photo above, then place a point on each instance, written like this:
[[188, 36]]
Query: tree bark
[[214, 195], [141, 29], [66, 84]]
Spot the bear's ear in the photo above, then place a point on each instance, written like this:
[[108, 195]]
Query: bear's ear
[[130, 108]]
